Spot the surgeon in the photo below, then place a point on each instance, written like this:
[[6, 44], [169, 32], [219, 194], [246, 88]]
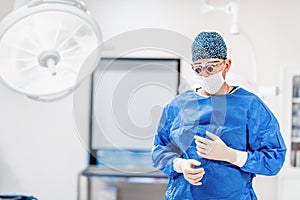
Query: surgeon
[[212, 141]]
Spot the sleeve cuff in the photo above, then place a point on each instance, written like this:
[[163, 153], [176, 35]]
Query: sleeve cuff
[[176, 165], [241, 158]]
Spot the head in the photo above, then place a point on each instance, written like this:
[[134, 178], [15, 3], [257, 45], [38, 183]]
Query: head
[[209, 54]]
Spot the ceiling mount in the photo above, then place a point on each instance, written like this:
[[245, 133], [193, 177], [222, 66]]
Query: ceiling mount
[[232, 8]]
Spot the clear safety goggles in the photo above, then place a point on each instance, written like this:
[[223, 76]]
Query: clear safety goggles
[[209, 67]]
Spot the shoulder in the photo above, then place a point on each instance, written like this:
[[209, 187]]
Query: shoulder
[[249, 99], [257, 107], [242, 93]]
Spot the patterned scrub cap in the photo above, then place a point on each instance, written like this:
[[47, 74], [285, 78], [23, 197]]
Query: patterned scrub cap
[[209, 45]]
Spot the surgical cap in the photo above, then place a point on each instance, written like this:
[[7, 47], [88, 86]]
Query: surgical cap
[[209, 45]]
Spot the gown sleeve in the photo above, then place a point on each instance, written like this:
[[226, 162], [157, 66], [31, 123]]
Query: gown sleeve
[[164, 151], [266, 148]]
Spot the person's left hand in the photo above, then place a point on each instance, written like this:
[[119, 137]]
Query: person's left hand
[[214, 148]]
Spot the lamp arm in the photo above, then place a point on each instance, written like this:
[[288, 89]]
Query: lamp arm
[[231, 8]]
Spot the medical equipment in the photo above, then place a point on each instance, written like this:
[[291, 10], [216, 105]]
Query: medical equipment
[[209, 67], [48, 47]]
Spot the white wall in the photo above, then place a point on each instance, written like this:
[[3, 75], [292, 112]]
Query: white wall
[[40, 150]]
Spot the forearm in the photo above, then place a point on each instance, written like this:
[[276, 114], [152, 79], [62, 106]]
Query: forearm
[[162, 159], [266, 162], [237, 157]]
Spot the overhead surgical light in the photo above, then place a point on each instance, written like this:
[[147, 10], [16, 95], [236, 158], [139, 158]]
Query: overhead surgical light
[[48, 47]]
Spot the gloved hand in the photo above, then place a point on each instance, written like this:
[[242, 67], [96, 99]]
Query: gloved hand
[[215, 149], [187, 167]]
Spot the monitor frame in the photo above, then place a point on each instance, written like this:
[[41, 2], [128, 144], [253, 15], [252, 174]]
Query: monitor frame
[[93, 151]]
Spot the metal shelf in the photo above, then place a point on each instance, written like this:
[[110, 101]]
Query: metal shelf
[[296, 100], [296, 139]]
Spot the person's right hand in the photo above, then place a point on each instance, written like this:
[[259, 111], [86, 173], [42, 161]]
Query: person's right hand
[[187, 167]]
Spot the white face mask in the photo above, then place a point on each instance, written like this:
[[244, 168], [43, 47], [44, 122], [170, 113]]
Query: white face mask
[[211, 84]]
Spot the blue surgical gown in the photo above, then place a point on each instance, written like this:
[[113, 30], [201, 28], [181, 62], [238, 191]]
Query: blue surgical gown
[[241, 120]]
